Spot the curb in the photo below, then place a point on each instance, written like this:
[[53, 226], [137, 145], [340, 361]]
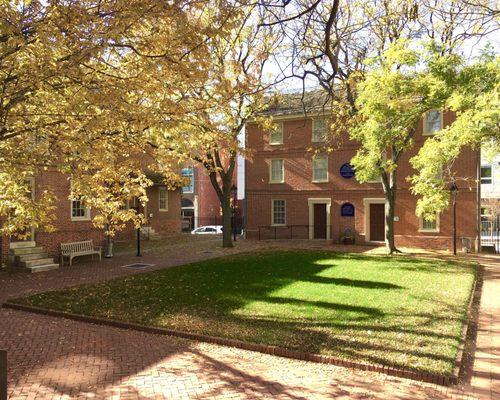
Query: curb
[[439, 379]]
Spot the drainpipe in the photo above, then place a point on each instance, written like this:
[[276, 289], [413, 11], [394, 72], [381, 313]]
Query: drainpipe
[[478, 208]]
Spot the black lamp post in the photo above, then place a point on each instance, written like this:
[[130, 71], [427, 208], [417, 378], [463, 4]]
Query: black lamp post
[[138, 232], [454, 192], [234, 192]]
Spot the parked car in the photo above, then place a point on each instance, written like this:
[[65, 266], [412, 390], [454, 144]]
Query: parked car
[[207, 230]]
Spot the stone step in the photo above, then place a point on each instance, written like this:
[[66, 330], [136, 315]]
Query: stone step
[[37, 262], [32, 256], [26, 250], [21, 245], [41, 268]]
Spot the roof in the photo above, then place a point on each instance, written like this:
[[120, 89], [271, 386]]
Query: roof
[[297, 103]]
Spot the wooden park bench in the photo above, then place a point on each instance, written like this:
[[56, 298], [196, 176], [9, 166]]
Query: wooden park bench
[[84, 248]]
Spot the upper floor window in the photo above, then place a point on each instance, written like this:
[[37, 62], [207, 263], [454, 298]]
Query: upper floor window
[[486, 175], [78, 210], [318, 130], [163, 198], [429, 225], [188, 175], [277, 171], [433, 122], [320, 169], [276, 135], [279, 212]]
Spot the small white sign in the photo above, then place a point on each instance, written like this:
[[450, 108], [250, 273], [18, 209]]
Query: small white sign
[[396, 219]]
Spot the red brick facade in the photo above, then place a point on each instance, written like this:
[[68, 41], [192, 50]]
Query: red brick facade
[[300, 192], [71, 230]]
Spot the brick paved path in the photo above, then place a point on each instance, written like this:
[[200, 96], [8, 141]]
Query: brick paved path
[[51, 358]]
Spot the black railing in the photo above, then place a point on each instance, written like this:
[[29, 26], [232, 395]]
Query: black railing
[[490, 235], [295, 232]]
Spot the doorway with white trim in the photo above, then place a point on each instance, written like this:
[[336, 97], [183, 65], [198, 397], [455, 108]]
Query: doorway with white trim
[[319, 218]]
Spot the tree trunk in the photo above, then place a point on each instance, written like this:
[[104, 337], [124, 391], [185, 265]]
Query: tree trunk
[[389, 184], [227, 216]]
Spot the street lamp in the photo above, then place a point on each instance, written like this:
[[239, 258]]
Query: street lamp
[[234, 192], [138, 235], [454, 193]]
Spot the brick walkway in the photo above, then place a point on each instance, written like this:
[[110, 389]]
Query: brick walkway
[[51, 358]]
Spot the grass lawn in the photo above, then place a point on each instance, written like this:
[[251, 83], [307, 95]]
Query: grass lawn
[[397, 311]]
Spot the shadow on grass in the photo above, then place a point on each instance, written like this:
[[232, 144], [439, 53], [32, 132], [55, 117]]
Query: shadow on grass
[[242, 297]]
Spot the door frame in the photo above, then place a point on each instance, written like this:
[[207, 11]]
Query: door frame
[[366, 203], [328, 203]]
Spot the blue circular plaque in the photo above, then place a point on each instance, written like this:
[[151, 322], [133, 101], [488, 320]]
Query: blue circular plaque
[[346, 171], [347, 210]]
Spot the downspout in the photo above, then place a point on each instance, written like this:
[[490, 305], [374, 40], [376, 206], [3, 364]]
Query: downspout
[[478, 208]]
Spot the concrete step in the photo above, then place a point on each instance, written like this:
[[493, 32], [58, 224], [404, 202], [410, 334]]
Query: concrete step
[[41, 268], [37, 262], [32, 256], [26, 250], [21, 245]]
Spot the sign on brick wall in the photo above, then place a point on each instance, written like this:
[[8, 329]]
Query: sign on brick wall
[[346, 171]]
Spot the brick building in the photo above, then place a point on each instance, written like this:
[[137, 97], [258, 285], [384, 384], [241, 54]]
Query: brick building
[[199, 203], [73, 220], [291, 193]]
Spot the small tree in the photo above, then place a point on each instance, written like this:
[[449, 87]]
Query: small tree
[[476, 101], [393, 97]]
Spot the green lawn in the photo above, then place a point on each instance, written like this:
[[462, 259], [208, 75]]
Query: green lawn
[[399, 311]]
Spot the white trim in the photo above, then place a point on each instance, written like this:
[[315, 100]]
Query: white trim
[[271, 170], [310, 203], [366, 205], [282, 135], [272, 212], [426, 133], [162, 189], [327, 175], [421, 223], [86, 217]]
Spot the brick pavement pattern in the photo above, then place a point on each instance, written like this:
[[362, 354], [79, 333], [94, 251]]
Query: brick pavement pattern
[[53, 358]]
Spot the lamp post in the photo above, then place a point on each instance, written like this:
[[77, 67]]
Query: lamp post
[[138, 237], [234, 191], [454, 192]]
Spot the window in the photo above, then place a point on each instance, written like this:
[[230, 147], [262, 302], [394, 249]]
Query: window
[[78, 211], [277, 173], [163, 198], [279, 212], [188, 175], [486, 175], [318, 130], [433, 122], [427, 225], [320, 169], [276, 136]]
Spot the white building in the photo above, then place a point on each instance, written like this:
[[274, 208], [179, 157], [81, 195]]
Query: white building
[[490, 201]]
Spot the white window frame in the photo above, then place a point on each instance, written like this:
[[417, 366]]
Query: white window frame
[[424, 131], [85, 217], [282, 170], [313, 139], [278, 129], [272, 212], [162, 189], [314, 179], [481, 173], [427, 230]]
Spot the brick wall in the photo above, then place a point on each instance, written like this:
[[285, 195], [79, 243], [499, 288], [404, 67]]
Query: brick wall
[[69, 230], [298, 188]]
